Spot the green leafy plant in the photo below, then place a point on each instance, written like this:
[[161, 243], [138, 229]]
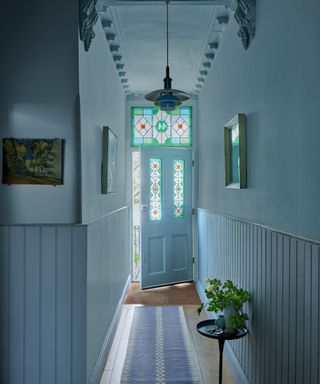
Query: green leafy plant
[[221, 295]]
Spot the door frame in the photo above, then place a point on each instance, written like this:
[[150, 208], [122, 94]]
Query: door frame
[[138, 100]]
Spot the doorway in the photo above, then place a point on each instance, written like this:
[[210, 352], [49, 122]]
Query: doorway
[[162, 249]]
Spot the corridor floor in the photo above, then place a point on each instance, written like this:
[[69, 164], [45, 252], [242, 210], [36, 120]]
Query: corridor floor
[[206, 350]]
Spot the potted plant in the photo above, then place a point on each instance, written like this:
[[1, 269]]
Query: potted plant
[[228, 298]]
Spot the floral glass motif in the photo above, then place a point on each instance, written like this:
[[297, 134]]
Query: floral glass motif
[[152, 127], [155, 189], [178, 188]]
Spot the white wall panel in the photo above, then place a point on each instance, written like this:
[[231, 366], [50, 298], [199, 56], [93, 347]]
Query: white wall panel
[[60, 287], [108, 271], [43, 311], [281, 273]]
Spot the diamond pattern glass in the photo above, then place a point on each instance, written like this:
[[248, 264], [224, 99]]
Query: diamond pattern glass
[[155, 189], [152, 127], [178, 188]]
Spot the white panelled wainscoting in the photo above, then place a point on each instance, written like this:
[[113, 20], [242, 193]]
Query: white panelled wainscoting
[[281, 272], [60, 289]]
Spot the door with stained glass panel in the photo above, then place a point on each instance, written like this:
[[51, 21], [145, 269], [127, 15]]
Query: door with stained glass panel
[[166, 216]]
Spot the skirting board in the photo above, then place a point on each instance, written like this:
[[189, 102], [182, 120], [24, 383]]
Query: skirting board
[[106, 346], [233, 363]]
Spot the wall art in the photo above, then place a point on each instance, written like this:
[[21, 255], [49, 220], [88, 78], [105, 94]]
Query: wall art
[[109, 162], [32, 161], [235, 152]]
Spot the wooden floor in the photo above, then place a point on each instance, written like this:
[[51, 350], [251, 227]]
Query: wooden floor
[[176, 294], [206, 350]]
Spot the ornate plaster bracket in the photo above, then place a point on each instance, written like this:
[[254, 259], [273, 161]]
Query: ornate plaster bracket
[[88, 16], [245, 15]]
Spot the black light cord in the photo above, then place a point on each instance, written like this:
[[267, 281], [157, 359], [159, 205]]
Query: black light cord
[[167, 1]]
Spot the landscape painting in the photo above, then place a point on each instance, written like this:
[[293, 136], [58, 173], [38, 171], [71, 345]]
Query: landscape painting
[[32, 161]]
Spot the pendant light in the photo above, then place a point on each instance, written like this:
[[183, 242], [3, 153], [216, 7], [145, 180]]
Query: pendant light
[[167, 98]]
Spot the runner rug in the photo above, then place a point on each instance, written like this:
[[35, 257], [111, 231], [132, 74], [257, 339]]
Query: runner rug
[[159, 349]]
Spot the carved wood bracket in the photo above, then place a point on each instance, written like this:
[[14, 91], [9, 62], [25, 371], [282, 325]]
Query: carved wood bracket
[[245, 15], [88, 16]]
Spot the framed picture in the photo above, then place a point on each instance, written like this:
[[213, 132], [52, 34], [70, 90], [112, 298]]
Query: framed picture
[[109, 162], [235, 152], [32, 161]]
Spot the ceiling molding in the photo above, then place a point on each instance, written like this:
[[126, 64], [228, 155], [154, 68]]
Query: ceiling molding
[[115, 43], [222, 10]]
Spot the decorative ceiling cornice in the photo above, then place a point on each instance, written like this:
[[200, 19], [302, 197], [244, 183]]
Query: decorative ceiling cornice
[[114, 40], [92, 10], [219, 20], [244, 14]]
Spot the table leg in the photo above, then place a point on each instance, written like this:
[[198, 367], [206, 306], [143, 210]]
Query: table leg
[[221, 345]]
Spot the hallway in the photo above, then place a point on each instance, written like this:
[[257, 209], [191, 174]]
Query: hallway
[[206, 350], [229, 181]]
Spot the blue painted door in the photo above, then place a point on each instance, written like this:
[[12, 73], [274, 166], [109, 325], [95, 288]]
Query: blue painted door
[[166, 216]]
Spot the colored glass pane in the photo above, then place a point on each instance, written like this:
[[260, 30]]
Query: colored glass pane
[[178, 188], [155, 189], [152, 127]]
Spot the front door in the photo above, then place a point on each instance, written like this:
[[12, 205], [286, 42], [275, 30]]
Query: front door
[[166, 216]]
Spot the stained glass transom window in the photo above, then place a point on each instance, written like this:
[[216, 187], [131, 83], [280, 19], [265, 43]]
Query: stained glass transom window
[[155, 189], [152, 127], [178, 188]]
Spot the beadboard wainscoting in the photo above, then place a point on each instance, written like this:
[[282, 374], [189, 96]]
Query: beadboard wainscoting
[[281, 272], [60, 287], [43, 287], [108, 272]]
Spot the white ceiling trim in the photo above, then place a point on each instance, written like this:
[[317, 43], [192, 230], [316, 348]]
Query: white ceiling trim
[[121, 41], [204, 47], [222, 10], [114, 40]]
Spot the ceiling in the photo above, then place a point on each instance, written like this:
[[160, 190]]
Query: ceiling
[[136, 34]]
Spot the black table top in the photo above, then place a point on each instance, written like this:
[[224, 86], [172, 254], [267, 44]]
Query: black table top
[[208, 328]]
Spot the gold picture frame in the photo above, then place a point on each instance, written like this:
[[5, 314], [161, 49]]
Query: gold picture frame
[[32, 161]]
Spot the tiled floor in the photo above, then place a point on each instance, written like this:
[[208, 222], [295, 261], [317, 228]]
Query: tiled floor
[[206, 350]]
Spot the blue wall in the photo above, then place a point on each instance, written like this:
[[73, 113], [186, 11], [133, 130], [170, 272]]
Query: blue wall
[[39, 99], [255, 236], [102, 103], [276, 84], [60, 285]]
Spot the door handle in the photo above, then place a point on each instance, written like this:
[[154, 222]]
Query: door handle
[[144, 207]]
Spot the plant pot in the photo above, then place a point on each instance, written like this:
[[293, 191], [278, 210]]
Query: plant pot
[[220, 322], [229, 310]]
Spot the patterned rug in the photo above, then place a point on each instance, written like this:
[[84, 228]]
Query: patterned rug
[[159, 349]]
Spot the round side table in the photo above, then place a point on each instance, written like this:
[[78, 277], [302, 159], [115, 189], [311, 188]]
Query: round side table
[[208, 328]]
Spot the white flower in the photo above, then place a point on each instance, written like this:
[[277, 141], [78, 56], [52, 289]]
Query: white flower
[[209, 288]]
